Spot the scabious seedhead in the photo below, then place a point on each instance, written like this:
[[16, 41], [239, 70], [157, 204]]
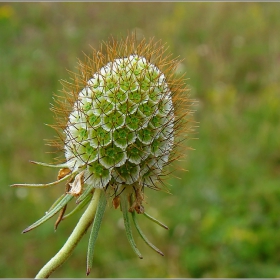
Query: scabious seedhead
[[120, 122], [121, 129], [125, 112]]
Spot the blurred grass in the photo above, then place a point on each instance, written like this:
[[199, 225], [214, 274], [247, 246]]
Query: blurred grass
[[224, 213]]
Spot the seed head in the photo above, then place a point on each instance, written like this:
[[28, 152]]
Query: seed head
[[125, 114], [121, 129], [120, 121]]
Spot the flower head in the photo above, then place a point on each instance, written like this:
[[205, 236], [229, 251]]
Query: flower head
[[121, 129], [120, 123]]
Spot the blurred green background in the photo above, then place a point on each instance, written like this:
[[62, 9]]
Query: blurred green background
[[224, 214]]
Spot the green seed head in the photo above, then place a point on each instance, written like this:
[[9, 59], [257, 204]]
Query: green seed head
[[122, 119], [121, 129], [121, 122]]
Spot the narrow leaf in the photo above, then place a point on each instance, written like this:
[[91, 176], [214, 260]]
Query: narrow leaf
[[143, 236], [56, 202], [155, 220], [50, 214], [43, 185], [80, 206], [62, 165], [95, 229], [127, 226]]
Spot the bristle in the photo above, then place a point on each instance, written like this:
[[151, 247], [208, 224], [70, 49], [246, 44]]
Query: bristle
[[122, 132]]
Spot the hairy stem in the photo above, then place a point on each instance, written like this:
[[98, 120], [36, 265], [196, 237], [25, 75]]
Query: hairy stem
[[67, 249]]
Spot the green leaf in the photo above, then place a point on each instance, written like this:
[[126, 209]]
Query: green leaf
[[143, 236], [50, 214], [62, 165], [127, 226], [95, 229], [56, 202], [155, 220], [44, 185], [80, 206]]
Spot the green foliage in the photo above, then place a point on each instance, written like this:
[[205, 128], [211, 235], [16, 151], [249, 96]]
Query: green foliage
[[223, 215]]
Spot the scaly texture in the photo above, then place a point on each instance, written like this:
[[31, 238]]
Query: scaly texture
[[121, 129]]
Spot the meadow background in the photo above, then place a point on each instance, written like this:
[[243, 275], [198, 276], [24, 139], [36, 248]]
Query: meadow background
[[224, 213]]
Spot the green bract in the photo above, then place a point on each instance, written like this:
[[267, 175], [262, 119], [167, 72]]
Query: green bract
[[121, 128]]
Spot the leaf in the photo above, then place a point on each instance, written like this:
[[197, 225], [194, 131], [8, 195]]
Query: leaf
[[43, 185], [56, 202], [155, 220], [95, 229], [50, 214], [128, 230], [78, 207], [62, 165], [143, 236]]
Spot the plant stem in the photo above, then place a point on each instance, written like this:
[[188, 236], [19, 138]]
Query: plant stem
[[67, 249]]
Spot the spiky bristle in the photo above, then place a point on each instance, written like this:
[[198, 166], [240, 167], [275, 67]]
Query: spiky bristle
[[124, 115]]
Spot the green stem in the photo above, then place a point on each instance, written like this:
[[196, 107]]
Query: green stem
[[67, 249]]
